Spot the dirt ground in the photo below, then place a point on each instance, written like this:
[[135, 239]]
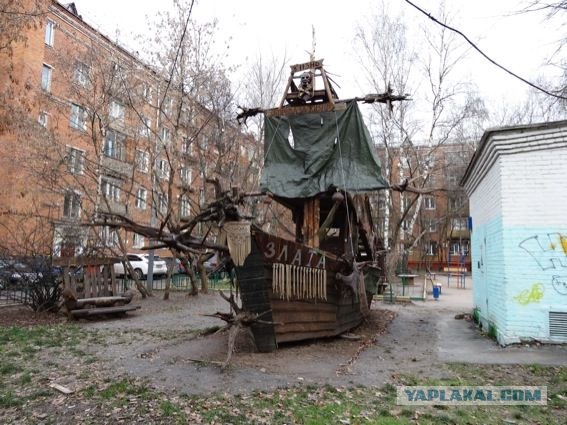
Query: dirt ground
[[153, 366], [159, 342]]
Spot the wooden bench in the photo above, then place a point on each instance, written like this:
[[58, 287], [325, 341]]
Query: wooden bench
[[104, 310]]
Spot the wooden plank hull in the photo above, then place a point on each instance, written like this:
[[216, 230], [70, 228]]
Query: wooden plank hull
[[313, 302]]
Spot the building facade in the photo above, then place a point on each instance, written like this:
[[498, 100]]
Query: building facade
[[430, 228], [88, 129], [516, 184]]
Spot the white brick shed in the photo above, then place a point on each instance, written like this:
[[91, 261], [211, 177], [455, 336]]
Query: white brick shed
[[517, 185]]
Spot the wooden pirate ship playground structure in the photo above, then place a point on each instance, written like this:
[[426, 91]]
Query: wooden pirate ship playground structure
[[320, 164]]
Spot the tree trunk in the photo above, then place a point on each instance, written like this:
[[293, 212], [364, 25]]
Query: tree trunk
[[168, 281], [139, 285], [203, 276], [191, 273]]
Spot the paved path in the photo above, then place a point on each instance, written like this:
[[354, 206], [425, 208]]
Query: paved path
[[461, 341]]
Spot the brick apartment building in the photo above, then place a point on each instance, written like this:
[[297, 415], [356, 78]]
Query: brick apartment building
[[86, 128], [432, 228]]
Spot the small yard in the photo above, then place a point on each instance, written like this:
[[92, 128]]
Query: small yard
[[154, 367]]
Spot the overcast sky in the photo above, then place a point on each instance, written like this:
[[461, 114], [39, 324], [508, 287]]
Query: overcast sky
[[521, 42]]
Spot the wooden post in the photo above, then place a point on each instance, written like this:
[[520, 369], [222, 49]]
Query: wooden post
[[311, 222]]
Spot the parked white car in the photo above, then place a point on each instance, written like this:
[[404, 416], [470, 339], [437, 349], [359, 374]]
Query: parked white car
[[139, 263]]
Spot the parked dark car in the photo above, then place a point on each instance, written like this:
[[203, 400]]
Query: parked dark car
[[14, 274]]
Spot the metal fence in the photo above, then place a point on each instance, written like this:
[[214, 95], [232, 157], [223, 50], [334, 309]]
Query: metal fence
[[179, 282], [14, 294]]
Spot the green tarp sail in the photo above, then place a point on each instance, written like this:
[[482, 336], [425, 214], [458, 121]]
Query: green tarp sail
[[329, 149]]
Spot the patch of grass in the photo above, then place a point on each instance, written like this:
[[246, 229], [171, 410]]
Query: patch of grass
[[124, 387], [90, 391], [25, 378], [9, 369], [169, 409], [9, 399]]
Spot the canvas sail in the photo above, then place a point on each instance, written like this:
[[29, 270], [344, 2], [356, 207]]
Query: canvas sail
[[329, 149]]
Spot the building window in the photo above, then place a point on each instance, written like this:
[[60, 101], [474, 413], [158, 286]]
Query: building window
[[167, 106], [110, 190], [162, 169], [109, 236], [71, 204], [431, 227], [459, 223], [116, 111], [184, 206], [46, 77], [162, 203], [430, 248], [142, 161], [49, 32], [145, 126], [185, 175], [164, 135], [43, 119], [78, 117], [138, 241], [82, 74], [452, 179], [147, 93], [114, 145], [75, 160], [405, 203], [429, 202], [141, 198], [186, 146], [459, 248], [455, 203]]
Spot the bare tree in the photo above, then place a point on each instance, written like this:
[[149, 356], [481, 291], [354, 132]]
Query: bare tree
[[411, 136]]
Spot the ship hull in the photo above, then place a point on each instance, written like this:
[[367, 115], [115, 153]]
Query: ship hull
[[296, 290]]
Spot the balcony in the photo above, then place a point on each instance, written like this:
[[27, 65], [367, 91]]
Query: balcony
[[113, 166], [458, 234], [113, 207]]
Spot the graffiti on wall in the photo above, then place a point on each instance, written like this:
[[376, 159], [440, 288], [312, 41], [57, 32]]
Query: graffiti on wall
[[531, 295], [559, 283], [550, 253]]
